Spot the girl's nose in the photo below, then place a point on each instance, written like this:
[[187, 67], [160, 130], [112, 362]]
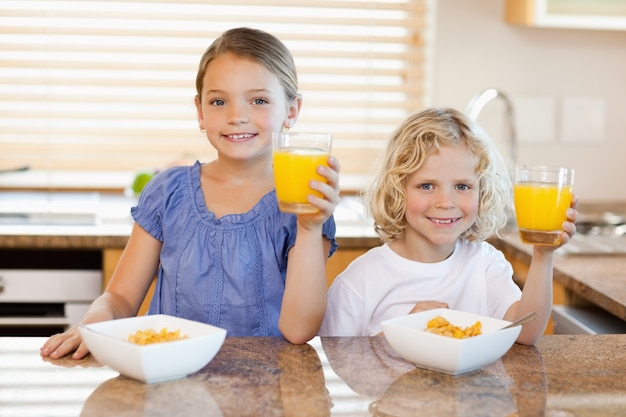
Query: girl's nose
[[237, 114]]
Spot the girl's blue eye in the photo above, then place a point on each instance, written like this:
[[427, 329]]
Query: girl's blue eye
[[463, 187], [426, 186], [259, 101]]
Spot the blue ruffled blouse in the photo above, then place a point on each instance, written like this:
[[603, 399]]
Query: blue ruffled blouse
[[229, 272]]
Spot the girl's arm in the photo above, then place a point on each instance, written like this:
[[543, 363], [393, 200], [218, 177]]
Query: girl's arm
[[122, 297], [537, 291], [304, 300]]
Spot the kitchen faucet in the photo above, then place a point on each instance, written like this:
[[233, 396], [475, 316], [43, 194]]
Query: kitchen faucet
[[478, 102]]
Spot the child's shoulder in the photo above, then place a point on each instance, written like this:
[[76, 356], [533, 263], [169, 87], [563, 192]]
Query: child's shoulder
[[372, 257], [176, 174], [170, 181], [179, 170], [475, 247]]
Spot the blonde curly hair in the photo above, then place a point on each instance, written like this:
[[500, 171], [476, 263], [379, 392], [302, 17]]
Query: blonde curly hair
[[419, 136]]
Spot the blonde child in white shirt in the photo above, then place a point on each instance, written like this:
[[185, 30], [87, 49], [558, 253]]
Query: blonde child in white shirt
[[440, 192]]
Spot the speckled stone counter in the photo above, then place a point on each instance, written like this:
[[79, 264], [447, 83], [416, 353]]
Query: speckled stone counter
[[600, 279], [571, 376]]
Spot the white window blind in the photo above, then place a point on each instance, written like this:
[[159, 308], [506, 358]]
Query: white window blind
[[109, 85]]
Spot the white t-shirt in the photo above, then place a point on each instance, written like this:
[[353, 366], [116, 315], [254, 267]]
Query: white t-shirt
[[381, 284]]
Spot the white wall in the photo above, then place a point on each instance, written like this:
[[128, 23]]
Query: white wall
[[548, 69]]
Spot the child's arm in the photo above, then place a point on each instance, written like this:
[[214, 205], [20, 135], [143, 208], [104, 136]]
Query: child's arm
[[537, 292], [122, 297], [304, 300]]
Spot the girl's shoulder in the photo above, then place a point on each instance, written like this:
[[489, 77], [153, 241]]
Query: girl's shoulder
[[177, 174], [174, 179], [169, 186]]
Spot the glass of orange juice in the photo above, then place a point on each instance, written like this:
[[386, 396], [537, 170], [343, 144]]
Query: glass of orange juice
[[542, 196], [296, 156]]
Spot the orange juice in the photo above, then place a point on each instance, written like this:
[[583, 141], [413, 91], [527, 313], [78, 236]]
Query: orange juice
[[293, 169], [540, 211]]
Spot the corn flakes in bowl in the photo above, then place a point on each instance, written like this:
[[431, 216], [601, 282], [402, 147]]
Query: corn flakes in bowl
[[456, 342], [153, 348]]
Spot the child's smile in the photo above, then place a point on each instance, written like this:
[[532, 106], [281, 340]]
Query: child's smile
[[445, 221], [442, 199]]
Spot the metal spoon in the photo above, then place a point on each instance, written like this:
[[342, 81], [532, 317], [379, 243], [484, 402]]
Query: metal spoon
[[523, 320]]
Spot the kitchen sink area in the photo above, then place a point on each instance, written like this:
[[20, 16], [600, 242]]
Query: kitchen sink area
[[28, 208], [590, 244], [598, 233]]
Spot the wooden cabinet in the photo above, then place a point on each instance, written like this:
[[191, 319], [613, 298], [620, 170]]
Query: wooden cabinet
[[581, 14]]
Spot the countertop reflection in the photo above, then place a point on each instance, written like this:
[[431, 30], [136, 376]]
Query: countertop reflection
[[561, 376]]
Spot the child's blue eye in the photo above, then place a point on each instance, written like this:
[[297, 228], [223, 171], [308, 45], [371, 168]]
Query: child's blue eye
[[260, 101], [218, 102], [426, 186]]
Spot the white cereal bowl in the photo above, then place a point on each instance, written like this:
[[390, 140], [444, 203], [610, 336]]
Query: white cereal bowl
[[407, 337], [108, 343]]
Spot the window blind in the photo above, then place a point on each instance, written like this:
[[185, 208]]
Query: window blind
[[109, 85]]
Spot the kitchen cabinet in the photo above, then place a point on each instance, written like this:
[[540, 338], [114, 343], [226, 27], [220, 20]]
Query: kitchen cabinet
[[45, 291], [581, 14]]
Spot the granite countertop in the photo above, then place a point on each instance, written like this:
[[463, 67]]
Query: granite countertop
[[576, 376], [600, 279]]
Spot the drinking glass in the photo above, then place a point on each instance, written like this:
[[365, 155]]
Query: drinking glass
[[542, 195], [296, 156]]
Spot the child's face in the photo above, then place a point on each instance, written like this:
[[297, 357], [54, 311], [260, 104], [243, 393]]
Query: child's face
[[442, 199], [242, 104]]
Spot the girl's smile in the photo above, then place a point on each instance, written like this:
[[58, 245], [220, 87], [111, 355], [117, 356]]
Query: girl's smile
[[241, 137]]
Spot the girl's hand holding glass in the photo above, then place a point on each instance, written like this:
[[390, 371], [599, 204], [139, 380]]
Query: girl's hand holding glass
[[299, 159], [328, 198]]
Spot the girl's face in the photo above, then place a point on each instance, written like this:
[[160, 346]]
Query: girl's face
[[442, 200], [242, 104]]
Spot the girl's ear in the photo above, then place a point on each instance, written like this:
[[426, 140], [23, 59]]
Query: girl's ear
[[199, 114], [293, 111]]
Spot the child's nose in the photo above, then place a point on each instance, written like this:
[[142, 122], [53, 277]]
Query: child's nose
[[237, 114], [444, 199]]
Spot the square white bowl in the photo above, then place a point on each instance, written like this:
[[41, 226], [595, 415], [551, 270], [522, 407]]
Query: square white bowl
[[407, 336], [108, 343]]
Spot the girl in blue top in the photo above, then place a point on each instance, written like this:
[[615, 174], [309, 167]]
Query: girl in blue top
[[223, 252]]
